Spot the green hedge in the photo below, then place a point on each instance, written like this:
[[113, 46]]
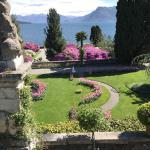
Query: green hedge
[[126, 124]]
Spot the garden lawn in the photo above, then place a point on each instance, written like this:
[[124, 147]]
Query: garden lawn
[[129, 101], [60, 97]]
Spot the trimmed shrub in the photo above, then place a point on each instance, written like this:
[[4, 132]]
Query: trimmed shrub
[[143, 114], [38, 89], [90, 118]]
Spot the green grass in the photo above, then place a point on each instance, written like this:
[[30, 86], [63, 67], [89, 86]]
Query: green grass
[[129, 101], [60, 97]]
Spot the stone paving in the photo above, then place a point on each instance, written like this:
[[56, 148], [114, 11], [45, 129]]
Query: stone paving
[[113, 100]]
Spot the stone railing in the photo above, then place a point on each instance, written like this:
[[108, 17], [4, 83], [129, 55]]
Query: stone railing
[[104, 141], [69, 63]]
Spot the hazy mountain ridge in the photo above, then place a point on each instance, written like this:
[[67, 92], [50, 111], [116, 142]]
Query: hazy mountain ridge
[[100, 14]]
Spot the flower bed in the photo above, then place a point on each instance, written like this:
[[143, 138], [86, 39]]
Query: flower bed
[[93, 95], [38, 89]]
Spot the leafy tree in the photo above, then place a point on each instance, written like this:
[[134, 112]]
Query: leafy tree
[[90, 119], [107, 43], [54, 42], [80, 37], [131, 31], [96, 35]]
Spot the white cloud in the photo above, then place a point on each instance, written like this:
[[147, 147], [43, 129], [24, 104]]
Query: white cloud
[[64, 7]]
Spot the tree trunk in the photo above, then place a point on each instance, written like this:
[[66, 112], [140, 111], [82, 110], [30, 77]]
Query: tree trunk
[[81, 43], [93, 141]]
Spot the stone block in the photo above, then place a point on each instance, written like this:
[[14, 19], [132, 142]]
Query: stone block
[[12, 129], [11, 106], [9, 93], [3, 119]]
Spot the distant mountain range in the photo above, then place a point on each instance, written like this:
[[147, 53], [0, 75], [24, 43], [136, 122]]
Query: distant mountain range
[[100, 14]]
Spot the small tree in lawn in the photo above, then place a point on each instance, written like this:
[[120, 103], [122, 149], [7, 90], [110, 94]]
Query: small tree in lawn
[[54, 42], [96, 35], [80, 37], [90, 119]]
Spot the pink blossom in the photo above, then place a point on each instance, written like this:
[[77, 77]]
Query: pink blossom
[[107, 115], [31, 46], [28, 59], [71, 52]]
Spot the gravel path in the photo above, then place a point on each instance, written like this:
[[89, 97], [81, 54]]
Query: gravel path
[[113, 100]]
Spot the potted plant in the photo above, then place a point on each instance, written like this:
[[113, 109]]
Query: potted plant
[[143, 114]]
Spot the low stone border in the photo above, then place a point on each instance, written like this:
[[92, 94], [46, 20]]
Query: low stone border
[[103, 140], [87, 70]]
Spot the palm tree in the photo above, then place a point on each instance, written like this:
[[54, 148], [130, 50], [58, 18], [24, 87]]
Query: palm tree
[[80, 37]]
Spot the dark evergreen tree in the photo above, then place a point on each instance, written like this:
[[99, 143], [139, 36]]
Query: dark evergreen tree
[[130, 29], [54, 42], [96, 35]]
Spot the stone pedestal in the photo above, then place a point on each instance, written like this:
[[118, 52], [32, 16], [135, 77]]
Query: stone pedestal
[[10, 84]]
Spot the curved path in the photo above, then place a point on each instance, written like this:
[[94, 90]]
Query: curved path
[[114, 97]]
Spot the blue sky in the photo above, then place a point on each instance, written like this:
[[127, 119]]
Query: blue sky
[[64, 7]]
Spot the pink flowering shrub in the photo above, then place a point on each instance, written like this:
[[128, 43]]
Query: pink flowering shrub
[[31, 46], [38, 89], [97, 92], [71, 52], [94, 53], [107, 115], [28, 59]]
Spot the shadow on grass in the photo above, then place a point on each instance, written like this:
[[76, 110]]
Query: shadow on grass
[[79, 74], [141, 93]]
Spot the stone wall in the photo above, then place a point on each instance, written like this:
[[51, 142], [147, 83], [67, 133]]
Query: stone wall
[[104, 141]]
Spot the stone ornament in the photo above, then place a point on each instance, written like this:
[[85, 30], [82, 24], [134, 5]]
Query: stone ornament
[[10, 47]]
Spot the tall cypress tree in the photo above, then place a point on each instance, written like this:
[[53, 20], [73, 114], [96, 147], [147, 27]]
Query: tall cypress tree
[[54, 42], [130, 29], [96, 35]]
